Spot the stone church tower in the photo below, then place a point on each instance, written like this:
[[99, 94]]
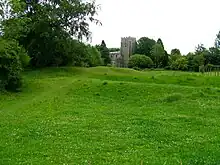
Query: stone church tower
[[128, 45]]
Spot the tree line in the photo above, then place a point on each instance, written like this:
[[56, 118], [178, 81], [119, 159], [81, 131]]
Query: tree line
[[43, 33], [152, 54], [158, 57]]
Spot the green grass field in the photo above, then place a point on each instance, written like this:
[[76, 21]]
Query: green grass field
[[109, 116]]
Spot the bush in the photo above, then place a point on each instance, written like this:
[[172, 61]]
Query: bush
[[180, 63], [140, 61], [12, 59]]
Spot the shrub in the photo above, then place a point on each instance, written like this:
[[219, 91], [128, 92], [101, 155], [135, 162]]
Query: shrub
[[12, 59], [180, 63], [140, 61]]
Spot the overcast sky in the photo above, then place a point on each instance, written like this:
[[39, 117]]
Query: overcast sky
[[180, 24]]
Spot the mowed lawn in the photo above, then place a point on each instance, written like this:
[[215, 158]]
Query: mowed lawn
[[109, 116]]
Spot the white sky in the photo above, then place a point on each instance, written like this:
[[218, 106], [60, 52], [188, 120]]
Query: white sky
[[180, 24]]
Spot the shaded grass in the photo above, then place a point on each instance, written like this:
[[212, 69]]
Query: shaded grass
[[111, 116]]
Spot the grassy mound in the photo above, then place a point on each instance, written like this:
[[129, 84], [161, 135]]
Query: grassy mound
[[111, 116]]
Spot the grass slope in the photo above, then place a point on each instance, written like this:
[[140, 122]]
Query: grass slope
[[111, 116]]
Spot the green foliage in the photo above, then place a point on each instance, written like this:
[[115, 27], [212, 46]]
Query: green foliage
[[158, 54], [94, 56], [198, 61], [72, 16], [144, 46], [159, 41], [175, 60], [140, 61], [174, 57], [76, 53], [190, 57], [16, 28], [55, 49], [212, 56], [165, 60], [105, 54], [180, 63], [192, 62], [175, 52], [155, 50], [195, 61], [12, 59], [24, 58], [47, 28], [48, 46]]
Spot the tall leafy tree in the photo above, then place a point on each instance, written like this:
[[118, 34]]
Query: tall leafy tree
[[212, 56], [195, 60], [73, 16], [174, 54], [145, 45], [175, 51], [46, 27], [165, 61], [158, 54], [105, 54], [159, 41], [198, 61], [103, 43]]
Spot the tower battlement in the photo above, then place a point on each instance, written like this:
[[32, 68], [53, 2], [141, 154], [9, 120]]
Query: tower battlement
[[125, 39]]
